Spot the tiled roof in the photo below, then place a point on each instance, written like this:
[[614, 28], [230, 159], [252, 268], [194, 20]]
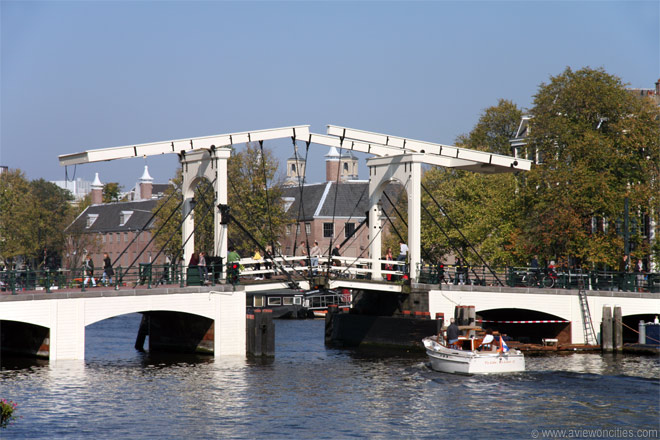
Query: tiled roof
[[352, 199], [159, 188], [109, 217]]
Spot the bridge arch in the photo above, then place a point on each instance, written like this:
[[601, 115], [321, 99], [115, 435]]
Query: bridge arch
[[526, 325], [129, 307]]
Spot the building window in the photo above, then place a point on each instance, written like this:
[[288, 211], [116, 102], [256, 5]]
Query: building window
[[124, 216], [349, 228], [288, 229], [274, 301], [308, 228], [328, 230], [125, 237], [91, 218], [110, 237], [298, 229], [258, 301]]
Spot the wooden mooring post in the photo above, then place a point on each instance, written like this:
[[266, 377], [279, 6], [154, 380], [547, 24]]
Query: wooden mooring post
[[617, 329], [260, 338], [606, 330]]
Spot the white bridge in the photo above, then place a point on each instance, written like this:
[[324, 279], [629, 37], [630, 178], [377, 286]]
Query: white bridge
[[65, 315], [563, 304]]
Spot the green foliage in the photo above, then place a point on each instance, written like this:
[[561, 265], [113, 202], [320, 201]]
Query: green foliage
[[483, 207], [599, 144], [111, 192], [33, 216], [261, 212], [7, 412], [168, 219], [596, 144]]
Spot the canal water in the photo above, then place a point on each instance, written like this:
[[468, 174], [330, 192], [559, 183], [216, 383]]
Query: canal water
[[310, 391]]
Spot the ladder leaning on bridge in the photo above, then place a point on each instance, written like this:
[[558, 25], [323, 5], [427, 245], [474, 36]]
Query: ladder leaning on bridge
[[587, 325]]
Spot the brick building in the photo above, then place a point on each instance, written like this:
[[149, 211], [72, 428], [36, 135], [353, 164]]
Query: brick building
[[329, 211], [113, 227]]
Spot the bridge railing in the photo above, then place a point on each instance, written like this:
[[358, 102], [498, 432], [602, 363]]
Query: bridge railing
[[148, 275], [542, 278], [335, 266], [49, 280]]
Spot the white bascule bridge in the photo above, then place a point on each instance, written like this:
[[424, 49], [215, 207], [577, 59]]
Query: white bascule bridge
[[394, 159]]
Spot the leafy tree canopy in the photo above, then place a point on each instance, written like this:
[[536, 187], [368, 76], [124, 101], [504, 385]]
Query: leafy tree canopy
[[33, 217]]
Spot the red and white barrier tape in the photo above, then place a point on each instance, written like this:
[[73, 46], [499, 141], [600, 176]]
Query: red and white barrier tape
[[547, 321]]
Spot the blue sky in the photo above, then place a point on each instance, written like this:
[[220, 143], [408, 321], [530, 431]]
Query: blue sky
[[82, 75]]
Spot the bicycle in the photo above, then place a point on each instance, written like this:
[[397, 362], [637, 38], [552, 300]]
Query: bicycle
[[534, 279]]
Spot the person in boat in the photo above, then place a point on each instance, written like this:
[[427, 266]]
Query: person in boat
[[488, 342], [452, 332]]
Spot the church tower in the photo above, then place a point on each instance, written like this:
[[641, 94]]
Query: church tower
[[295, 169]]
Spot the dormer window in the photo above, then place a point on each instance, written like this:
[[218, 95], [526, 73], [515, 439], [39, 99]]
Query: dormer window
[[288, 201], [124, 216], [91, 218]]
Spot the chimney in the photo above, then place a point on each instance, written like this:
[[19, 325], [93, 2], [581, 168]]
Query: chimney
[[145, 185], [657, 87], [97, 191], [332, 165]]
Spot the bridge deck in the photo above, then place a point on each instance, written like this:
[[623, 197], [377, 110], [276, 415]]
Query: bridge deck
[[255, 286]]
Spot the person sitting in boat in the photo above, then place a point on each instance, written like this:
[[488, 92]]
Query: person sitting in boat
[[452, 332], [488, 342]]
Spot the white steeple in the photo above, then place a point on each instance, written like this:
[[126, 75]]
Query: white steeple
[[97, 182], [145, 176], [333, 154]]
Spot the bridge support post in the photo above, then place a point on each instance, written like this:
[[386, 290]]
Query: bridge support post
[[407, 169], [212, 165], [67, 336]]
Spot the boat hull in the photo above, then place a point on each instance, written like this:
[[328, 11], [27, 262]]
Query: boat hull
[[448, 360]]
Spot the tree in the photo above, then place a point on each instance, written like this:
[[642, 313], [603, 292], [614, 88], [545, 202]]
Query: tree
[[15, 206], [50, 217], [111, 192], [255, 197], [598, 144], [33, 217]]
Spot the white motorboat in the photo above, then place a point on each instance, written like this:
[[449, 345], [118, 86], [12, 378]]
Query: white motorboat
[[464, 358]]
